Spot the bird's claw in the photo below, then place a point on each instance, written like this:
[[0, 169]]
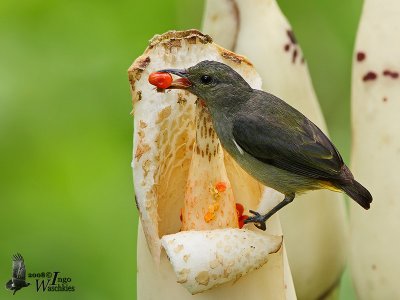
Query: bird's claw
[[257, 219]]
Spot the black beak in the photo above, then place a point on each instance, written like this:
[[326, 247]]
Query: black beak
[[177, 72], [181, 83]]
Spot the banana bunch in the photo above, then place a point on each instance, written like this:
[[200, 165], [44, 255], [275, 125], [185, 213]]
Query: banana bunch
[[376, 151], [187, 190], [314, 226]]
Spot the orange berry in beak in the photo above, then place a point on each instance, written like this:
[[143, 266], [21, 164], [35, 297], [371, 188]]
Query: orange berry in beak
[[160, 80]]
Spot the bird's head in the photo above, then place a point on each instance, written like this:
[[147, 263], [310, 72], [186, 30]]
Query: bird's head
[[212, 81]]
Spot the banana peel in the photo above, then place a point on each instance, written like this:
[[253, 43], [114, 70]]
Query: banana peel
[[375, 151]]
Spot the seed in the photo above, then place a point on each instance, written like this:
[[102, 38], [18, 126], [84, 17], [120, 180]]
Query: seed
[[221, 186], [239, 209], [241, 220], [160, 80], [209, 216]]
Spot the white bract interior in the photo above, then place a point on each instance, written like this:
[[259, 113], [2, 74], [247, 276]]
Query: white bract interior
[[168, 168]]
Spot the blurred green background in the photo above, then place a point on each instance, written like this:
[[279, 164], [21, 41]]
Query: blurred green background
[[66, 133]]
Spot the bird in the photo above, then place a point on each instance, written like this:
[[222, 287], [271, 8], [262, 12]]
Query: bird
[[271, 140], [17, 281]]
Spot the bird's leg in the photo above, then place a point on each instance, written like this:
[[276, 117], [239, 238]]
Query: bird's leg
[[259, 220]]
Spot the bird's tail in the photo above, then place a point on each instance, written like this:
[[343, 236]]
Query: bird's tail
[[358, 193], [9, 284]]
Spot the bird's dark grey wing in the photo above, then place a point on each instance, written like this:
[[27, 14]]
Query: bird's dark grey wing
[[19, 271], [289, 141]]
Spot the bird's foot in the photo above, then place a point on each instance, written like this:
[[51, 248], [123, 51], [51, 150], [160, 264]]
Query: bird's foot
[[258, 220]]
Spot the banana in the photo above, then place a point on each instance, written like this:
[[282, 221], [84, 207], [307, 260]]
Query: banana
[[258, 30], [376, 151], [189, 241]]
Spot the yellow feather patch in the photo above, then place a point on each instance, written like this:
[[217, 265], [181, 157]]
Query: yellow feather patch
[[329, 186]]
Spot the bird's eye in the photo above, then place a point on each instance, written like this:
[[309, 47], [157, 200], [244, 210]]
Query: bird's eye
[[206, 79]]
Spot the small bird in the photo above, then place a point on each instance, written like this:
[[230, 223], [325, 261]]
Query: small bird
[[271, 140], [17, 281]]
